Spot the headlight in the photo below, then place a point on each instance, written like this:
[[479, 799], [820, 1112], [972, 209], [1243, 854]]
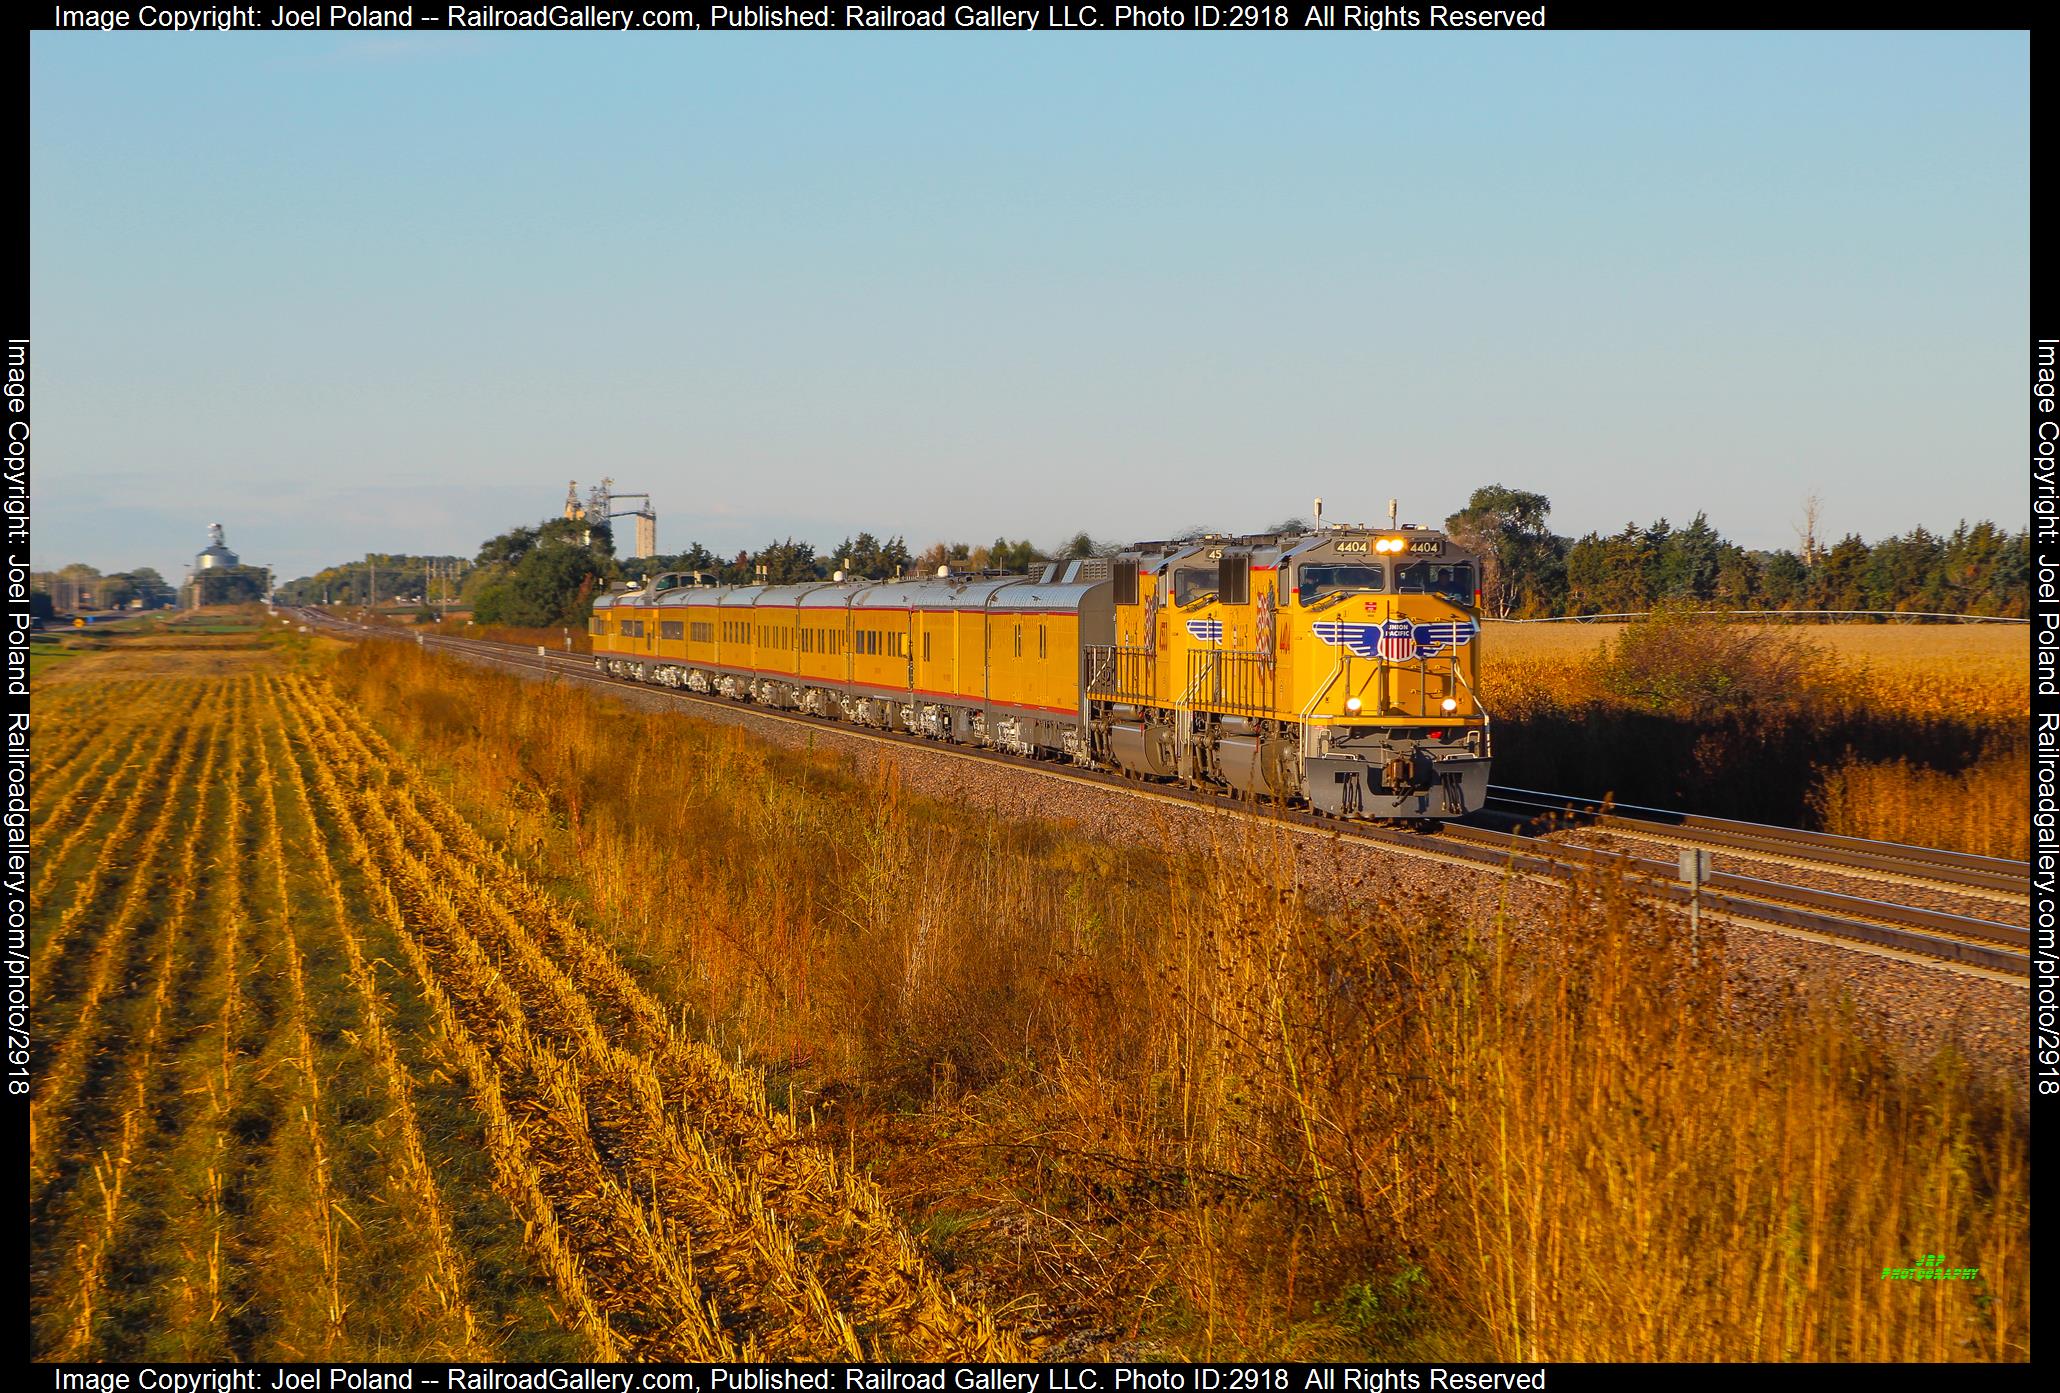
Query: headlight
[[1351, 703], [1450, 703]]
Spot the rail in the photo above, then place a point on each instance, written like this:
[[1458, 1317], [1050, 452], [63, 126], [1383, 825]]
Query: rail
[[1959, 868]]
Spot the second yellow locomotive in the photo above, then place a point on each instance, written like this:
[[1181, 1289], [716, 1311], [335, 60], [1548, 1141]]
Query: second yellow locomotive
[[1337, 668]]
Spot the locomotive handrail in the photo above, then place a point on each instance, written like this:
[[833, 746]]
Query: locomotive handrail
[[1244, 683], [1106, 678], [1184, 712], [1487, 721], [1308, 712]]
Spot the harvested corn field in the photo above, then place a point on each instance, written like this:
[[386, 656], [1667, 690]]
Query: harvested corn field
[[323, 1075], [376, 997]]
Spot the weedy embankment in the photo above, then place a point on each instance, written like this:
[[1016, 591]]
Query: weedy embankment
[[1185, 1104]]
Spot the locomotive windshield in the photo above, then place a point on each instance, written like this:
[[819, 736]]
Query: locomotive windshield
[[1192, 582], [1453, 582], [1312, 583]]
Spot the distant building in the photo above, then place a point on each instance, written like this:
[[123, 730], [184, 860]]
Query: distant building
[[220, 577], [216, 554]]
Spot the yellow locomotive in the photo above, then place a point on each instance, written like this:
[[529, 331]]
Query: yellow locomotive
[[1336, 667]]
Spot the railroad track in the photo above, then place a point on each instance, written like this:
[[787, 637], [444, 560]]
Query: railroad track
[[1957, 870], [1881, 925]]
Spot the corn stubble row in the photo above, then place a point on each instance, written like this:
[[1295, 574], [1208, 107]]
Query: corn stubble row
[[169, 766], [113, 1170], [679, 1215], [69, 722], [209, 849], [449, 1276]]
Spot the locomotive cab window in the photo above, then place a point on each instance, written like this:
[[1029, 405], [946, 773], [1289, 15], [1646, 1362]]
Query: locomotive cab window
[[1234, 580], [1190, 583], [1312, 583], [1453, 582], [1124, 576]]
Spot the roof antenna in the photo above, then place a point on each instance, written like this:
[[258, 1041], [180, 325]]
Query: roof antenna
[[1394, 506], [1319, 514]]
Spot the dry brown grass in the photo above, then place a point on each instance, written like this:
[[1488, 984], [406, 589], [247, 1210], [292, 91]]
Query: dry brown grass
[[1909, 732], [1635, 1180], [1981, 809], [553, 639], [1176, 1105]]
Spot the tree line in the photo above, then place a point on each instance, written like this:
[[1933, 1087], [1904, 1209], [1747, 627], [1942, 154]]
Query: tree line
[[383, 578], [865, 556], [79, 586], [548, 574], [1530, 572]]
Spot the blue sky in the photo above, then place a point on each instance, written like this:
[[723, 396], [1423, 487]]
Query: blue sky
[[348, 293]]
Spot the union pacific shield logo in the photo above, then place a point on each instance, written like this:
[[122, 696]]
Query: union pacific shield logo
[[1398, 640], [1206, 630]]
